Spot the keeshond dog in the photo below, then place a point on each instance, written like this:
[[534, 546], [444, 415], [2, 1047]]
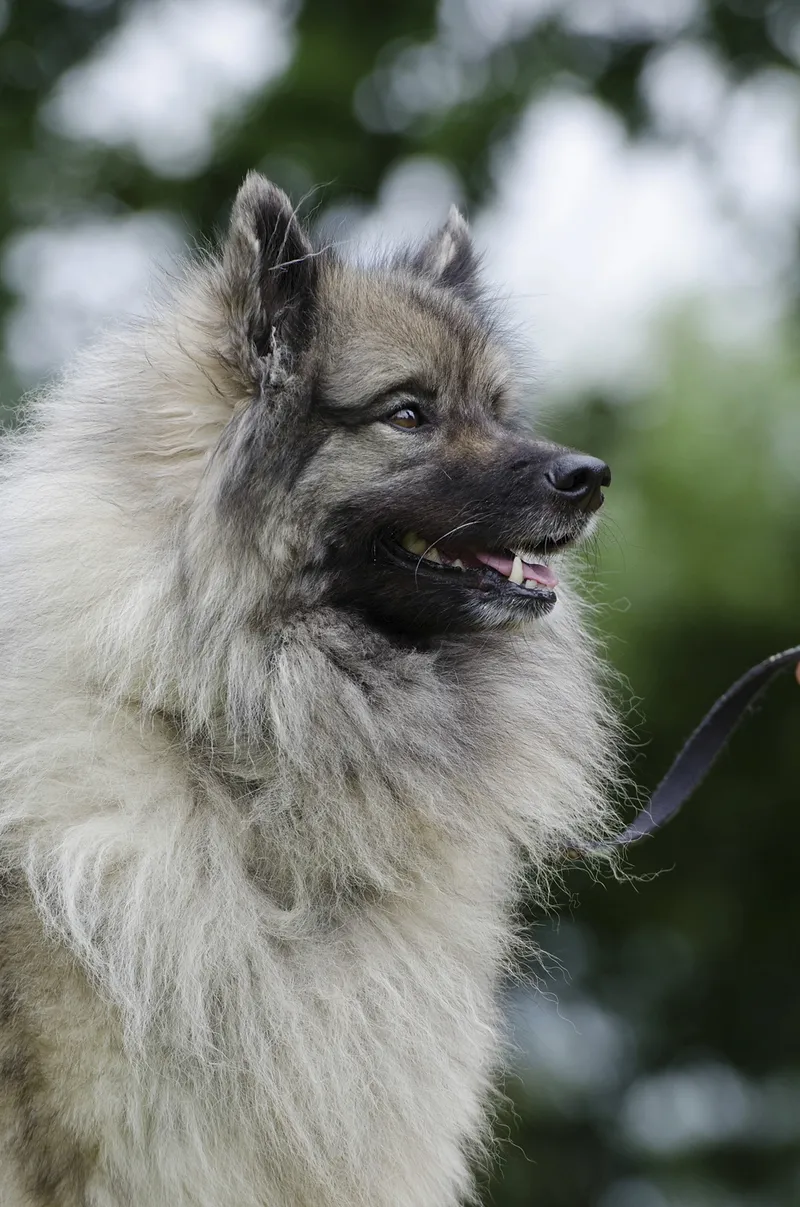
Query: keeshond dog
[[293, 706]]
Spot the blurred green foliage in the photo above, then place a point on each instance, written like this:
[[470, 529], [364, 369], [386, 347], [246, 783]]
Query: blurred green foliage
[[688, 978]]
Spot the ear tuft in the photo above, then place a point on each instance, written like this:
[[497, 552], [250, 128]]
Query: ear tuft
[[449, 259], [269, 268]]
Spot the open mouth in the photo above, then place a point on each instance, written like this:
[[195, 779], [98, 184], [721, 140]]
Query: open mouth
[[512, 573]]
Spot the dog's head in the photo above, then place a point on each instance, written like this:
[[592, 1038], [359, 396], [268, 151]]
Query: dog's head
[[378, 465]]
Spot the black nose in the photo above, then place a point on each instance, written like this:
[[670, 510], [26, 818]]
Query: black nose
[[579, 479]]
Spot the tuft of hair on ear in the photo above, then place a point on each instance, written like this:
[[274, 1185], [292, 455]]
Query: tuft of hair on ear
[[269, 276], [449, 259]]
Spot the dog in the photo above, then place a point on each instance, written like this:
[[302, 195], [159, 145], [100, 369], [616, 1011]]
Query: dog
[[293, 708]]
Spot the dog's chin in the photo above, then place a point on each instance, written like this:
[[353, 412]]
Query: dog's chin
[[419, 590]]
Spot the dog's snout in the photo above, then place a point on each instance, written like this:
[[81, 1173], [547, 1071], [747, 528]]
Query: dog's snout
[[578, 478]]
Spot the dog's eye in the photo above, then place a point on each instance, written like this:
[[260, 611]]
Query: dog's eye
[[407, 418]]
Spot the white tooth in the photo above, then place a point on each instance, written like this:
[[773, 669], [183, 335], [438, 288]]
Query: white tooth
[[414, 543], [433, 555], [516, 575], [459, 564], [530, 584]]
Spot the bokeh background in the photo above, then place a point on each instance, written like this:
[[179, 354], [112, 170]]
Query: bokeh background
[[632, 171]]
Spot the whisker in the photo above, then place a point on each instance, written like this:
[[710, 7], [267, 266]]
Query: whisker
[[311, 254], [444, 536]]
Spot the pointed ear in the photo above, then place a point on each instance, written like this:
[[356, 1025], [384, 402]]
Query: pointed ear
[[269, 272], [449, 259]]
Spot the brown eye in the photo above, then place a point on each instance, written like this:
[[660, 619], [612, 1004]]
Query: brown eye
[[407, 418]]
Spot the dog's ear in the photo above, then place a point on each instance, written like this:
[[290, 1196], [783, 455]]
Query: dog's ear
[[449, 259], [269, 274]]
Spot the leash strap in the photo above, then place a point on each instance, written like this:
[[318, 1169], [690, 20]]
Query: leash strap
[[698, 754]]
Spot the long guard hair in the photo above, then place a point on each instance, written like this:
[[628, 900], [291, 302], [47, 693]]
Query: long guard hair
[[268, 796]]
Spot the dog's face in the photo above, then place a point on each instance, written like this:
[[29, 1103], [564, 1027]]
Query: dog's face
[[380, 462]]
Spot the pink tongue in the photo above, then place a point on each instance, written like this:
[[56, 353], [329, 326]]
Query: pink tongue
[[540, 574], [501, 564]]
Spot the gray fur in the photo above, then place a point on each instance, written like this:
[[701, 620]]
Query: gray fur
[[261, 855]]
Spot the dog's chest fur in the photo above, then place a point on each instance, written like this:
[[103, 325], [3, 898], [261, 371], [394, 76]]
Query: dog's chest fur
[[294, 1007], [350, 1068]]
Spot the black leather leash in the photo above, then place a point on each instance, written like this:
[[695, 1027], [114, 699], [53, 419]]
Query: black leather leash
[[694, 760]]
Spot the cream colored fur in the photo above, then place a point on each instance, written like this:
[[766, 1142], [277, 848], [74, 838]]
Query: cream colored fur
[[259, 905]]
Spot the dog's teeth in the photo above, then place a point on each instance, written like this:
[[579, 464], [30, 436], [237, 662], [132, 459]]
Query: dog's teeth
[[433, 555], [459, 564], [516, 575], [530, 584], [414, 543]]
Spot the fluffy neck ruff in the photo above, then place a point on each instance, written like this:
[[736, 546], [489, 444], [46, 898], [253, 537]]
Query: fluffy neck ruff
[[323, 772]]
